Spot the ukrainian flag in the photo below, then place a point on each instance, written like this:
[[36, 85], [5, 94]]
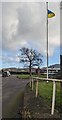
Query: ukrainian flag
[[50, 14]]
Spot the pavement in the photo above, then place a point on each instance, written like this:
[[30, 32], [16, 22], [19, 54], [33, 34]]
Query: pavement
[[12, 89]]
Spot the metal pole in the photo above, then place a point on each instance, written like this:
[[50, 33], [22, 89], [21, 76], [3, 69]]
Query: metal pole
[[47, 38], [53, 98]]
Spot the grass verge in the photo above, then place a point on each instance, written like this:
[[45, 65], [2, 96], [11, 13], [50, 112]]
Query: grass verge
[[27, 76], [45, 91]]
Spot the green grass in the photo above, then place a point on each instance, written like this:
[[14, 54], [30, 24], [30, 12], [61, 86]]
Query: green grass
[[24, 76], [41, 76], [27, 76], [45, 91]]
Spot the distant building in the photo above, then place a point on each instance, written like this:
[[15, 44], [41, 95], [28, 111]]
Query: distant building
[[51, 69]]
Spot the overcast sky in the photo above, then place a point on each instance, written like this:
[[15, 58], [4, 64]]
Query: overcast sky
[[24, 25]]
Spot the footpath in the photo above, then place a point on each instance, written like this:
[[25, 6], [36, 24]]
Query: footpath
[[36, 108]]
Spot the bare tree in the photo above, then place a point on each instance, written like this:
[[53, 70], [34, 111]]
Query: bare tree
[[30, 58]]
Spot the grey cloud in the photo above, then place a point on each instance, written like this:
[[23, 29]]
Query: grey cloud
[[24, 24]]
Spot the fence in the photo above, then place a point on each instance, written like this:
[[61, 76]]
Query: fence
[[54, 88]]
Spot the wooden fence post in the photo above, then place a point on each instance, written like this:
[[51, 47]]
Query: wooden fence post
[[36, 88], [53, 98], [32, 83]]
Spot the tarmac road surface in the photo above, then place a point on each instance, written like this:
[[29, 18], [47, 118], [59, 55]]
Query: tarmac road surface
[[12, 89]]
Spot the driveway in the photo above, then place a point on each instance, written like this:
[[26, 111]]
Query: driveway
[[12, 96]]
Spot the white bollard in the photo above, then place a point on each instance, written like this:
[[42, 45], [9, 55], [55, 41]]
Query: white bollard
[[53, 98]]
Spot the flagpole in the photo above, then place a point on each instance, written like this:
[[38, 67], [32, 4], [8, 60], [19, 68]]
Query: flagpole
[[47, 38]]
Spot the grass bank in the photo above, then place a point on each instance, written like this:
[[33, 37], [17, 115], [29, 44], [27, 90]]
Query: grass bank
[[45, 91]]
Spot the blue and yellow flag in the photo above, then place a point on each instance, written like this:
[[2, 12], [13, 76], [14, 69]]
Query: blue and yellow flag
[[50, 14]]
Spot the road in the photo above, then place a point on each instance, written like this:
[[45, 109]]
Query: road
[[12, 95]]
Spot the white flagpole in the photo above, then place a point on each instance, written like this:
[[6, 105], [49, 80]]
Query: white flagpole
[[47, 38]]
